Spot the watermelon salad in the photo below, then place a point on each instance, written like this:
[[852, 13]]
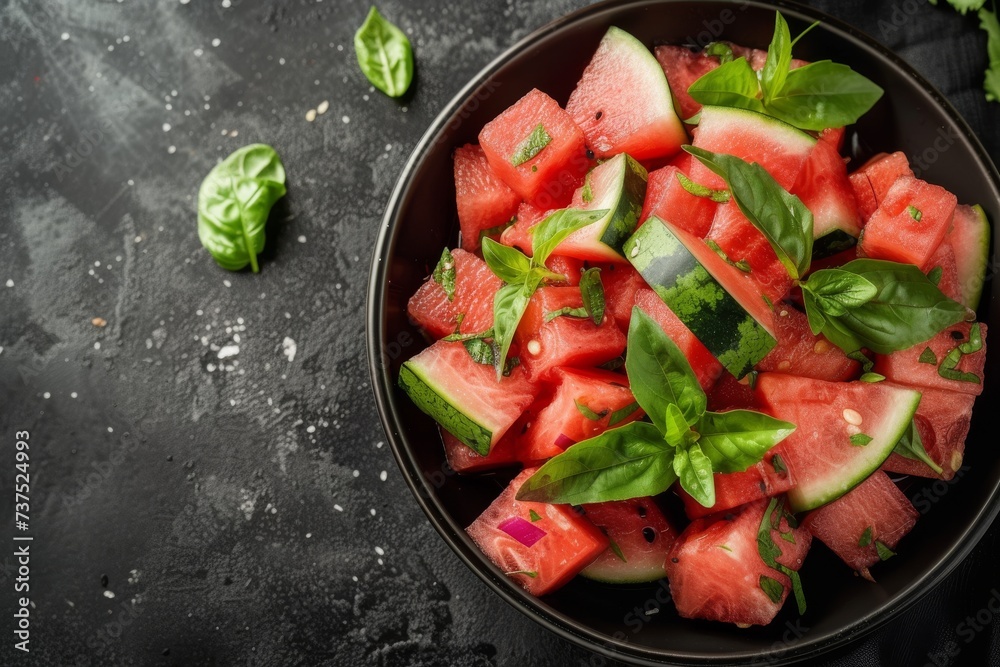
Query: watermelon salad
[[707, 340]]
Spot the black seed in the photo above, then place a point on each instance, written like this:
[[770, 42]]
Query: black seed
[[104, 580], [649, 534], [729, 516], [762, 486], [674, 560], [642, 511], [590, 154], [599, 114], [957, 335]]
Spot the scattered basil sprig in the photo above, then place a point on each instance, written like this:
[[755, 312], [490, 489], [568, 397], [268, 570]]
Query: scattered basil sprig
[[685, 441], [814, 97], [384, 54], [234, 202]]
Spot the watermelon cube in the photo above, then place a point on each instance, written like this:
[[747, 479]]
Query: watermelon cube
[[800, 352], [909, 223], [666, 198], [871, 182], [541, 554], [621, 284], [916, 367], [586, 403], [463, 459], [518, 235], [716, 571], [682, 67], [874, 512], [737, 237], [431, 309], [942, 419], [764, 479], [536, 148], [485, 203], [641, 538], [943, 260]]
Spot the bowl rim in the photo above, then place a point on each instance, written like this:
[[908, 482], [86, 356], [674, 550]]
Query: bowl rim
[[383, 384]]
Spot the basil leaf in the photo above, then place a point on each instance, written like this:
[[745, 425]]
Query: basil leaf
[[590, 414], [742, 265], [233, 204], [836, 291], [554, 229], [632, 461], [772, 587], [915, 213], [934, 275], [677, 431], [531, 146], [780, 216], [866, 364], [733, 84], [823, 94], [384, 54], [779, 60], [911, 446], [694, 471], [659, 374], [928, 357], [617, 550], [778, 464], [534, 516], [480, 351], [860, 439], [735, 440], [699, 190], [991, 84], [884, 552], [527, 573], [964, 6], [872, 377], [571, 312], [907, 309], [975, 342], [949, 368], [509, 304], [508, 264], [592, 291], [444, 274], [723, 51], [866, 538], [623, 413], [495, 231]]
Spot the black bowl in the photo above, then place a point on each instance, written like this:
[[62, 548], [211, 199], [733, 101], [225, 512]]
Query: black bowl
[[421, 219]]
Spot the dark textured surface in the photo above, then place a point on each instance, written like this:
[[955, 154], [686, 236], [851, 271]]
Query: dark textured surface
[[237, 506]]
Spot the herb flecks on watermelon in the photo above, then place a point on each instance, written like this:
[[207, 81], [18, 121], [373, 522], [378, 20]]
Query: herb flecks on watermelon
[[824, 188], [485, 203], [955, 361], [942, 421], [910, 223], [460, 298]]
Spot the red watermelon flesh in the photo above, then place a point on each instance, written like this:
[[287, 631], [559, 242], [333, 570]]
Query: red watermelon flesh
[[622, 102], [800, 352], [732, 394], [834, 136], [562, 422], [943, 419], [484, 201], [640, 538], [621, 284], [564, 341], [463, 459], [764, 479], [548, 179], [740, 240], [666, 198], [874, 511], [704, 364], [871, 182], [824, 188], [517, 235], [475, 285], [715, 567], [944, 259], [569, 544], [906, 368], [570, 267], [909, 223]]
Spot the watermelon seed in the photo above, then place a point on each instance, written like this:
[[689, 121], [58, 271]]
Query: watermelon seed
[[853, 417], [642, 511], [534, 347], [649, 534], [821, 347], [599, 114], [784, 365], [957, 335]]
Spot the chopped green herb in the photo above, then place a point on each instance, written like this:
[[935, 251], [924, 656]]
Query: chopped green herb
[[444, 273], [534, 516], [724, 547], [742, 265], [911, 446], [460, 337], [620, 415], [590, 414], [531, 146], [866, 538], [860, 439], [915, 213], [587, 195], [568, 312], [788, 537], [928, 357], [767, 301], [884, 552], [480, 351], [752, 377], [698, 190], [592, 292], [495, 231], [872, 377], [613, 365], [866, 364], [778, 464], [774, 589], [720, 49], [527, 573], [769, 553], [617, 550], [949, 366]]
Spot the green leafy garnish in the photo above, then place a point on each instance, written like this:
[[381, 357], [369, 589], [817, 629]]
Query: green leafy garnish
[[720, 49], [587, 194], [872, 377], [384, 54], [622, 414], [534, 516], [866, 364], [911, 446], [742, 265], [860, 439], [531, 146], [233, 204], [928, 357], [699, 190], [780, 216], [866, 538], [617, 550], [778, 464], [566, 312], [934, 275], [527, 573], [590, 414], [554, 229], [884, 552], [915, 213], [949, 365], [592, 291], [770, 552], [444, 273], [480, 351], [991, 84]]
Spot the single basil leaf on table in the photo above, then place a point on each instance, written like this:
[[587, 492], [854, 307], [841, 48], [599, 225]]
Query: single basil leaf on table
[[779, 60], [631, 461], [733, 84], [233, 204], [911, 446], [694, 471], [989, 23], [822, 95], [836, 291], [659, 374], [781, 217], [444, 274], [384, 54], [592, 291], [554, 229], [735, 440]]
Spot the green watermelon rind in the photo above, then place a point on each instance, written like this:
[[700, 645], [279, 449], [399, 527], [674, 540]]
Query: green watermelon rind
[[846, 477], [622, 573], [698, 298], [435, 401], [972, 261], [624, 204]]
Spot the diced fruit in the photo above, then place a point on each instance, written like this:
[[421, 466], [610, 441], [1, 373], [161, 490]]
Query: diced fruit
[[462, 459], [518, 234], [743, 243], [909, 223], [619, 186], [705, 366], [564, 340], [485, 203], [464, 397], [943, 419], [667, 199], [824, 189], [845, 430], [732, 394], [943, 261], [570, 542], [622, 103], [764, 479], [800, 352], [716, 571], [872, 513], [536, 149], [580, 396], [640, 539], [713, 299], [778, 147], [621, 284], [682, 67], [970, 239], [570, 267], [906, 366], [871, 182], [431, 310]]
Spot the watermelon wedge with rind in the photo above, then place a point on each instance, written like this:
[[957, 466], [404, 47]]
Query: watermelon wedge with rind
[[463, 396], [640, 538], [970, 240], [821, 454]]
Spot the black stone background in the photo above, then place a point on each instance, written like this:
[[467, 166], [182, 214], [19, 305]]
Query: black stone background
[[253, 514]]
